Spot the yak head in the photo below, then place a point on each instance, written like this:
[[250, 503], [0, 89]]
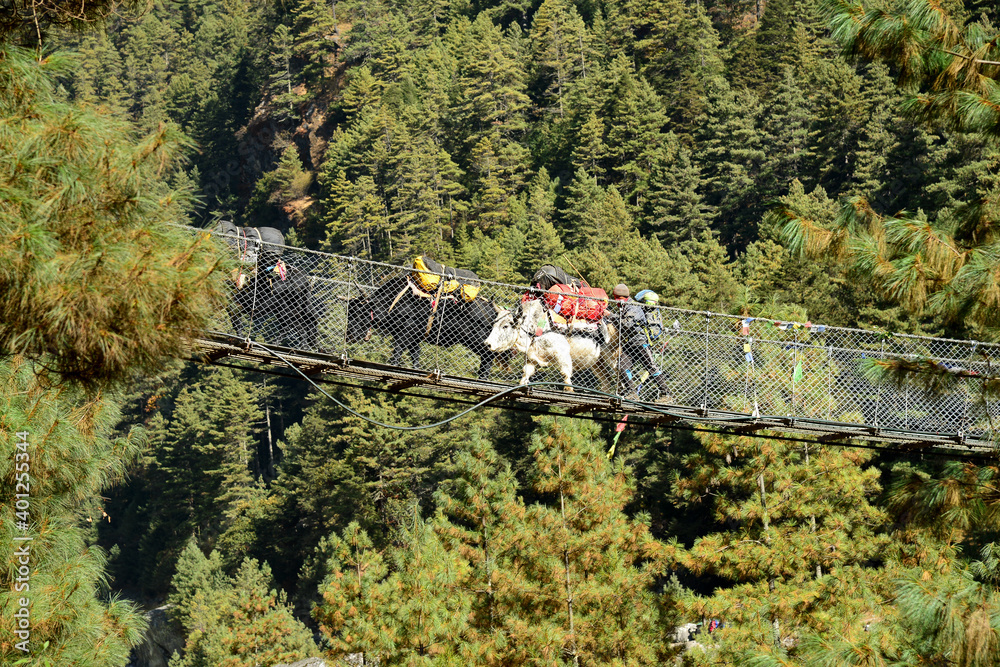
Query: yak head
[[504, 334], [510, 328]]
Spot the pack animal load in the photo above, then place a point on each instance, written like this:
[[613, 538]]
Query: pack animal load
[[568, 299], [576, 303], [431, 276], [548, 276]]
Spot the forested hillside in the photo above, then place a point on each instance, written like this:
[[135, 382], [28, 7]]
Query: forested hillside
[[794, 159]]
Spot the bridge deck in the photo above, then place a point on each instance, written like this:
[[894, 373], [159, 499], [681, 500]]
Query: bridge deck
[[214, 347], [745, 374]]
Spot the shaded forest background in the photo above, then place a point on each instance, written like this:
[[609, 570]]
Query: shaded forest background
[[660, 143]]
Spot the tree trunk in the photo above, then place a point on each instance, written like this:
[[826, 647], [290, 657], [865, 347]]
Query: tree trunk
[[766, 521], [270, 443], [569, 586], [812, 523]]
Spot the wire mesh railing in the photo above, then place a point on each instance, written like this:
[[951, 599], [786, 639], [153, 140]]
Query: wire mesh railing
[[365, 310]]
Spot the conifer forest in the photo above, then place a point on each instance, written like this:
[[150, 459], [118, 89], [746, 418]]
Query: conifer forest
[[833, 161]]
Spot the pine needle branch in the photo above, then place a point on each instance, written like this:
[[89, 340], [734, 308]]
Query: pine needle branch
[[971, 58]]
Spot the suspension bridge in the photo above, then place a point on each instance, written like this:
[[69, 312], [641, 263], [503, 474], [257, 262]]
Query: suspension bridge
[[312, 314]]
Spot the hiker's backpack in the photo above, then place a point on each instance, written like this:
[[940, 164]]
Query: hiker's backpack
[[654, 322]]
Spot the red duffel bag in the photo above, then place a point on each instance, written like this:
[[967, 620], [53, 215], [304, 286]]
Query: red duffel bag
[[592, 303], [585, 303]]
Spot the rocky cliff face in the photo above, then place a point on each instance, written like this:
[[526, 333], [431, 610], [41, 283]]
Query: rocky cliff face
[[308, 662], [163, 639]]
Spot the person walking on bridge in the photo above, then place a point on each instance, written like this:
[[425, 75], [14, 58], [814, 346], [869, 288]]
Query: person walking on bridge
[[630, 318]]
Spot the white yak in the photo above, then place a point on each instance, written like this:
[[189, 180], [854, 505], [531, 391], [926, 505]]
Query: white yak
[[527, 329]]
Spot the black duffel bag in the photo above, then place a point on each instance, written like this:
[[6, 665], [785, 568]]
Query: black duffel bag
[[549, 275]]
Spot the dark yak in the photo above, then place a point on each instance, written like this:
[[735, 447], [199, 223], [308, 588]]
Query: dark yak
[[278, 301], [253, 243], [456, 322]]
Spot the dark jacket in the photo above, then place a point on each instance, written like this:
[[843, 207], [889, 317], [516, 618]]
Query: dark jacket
[[630, 317]]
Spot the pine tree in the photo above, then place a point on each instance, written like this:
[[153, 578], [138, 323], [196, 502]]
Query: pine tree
[[424, 199], [710, 270], [616, 252], [97, 285], [429, 19], [635, 137], [358, 222], [430, 607], [315, 27], [282, 80], [677, 51], [943, 63], [147, 281], [229, 39], [59, 453], [492, 86], [840, 113], [773, 277], [803, 531], [570, 577], [99, 78], [591, 151], [944, 617], [586, 591], [198, 586], [495, 187], [774, 37], [483, 511], [565, 578], [732, 155], [202, 465], [362, 91], [700, 61], [787, 129], [414, 614], [351, 612], [146, 55], [367, 474], [541, 241], [581, 194], [438, 90], [560, 47], [944, 602], [279, 196], [746, 69], [677, 205], [31, 28], [374, 25], [239, 621]]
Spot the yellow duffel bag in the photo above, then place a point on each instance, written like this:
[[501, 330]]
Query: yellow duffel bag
[[426, 272]]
